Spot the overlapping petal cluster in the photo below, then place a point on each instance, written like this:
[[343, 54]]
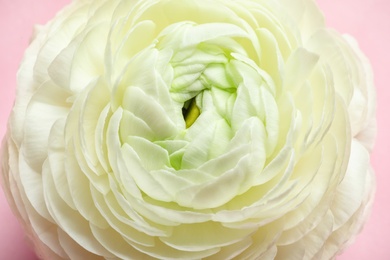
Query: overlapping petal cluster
[[183, 129]]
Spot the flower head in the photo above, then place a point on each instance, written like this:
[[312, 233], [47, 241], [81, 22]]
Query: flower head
[[183, 129]]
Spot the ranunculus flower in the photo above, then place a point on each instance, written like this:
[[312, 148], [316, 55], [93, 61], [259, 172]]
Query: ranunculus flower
[[191, 129]]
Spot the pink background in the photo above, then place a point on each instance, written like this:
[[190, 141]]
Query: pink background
[[367, 20]]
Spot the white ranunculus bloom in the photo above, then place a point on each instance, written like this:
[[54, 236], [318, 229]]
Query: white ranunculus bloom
[[191, 129]]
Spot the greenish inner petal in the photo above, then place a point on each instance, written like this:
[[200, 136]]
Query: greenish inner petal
[[197, 72]]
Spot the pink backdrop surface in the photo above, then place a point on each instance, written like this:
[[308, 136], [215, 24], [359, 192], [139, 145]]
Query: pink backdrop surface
[[367, 20]]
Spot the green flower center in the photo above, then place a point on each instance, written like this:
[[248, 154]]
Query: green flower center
[[190, 112]]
